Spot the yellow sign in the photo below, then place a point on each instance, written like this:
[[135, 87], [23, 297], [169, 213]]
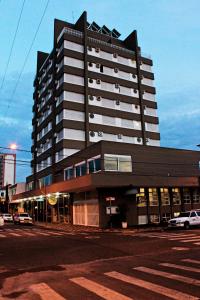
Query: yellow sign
[[52, 200]]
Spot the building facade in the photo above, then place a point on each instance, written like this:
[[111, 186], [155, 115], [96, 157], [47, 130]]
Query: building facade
[[91, 87], [97, 159], [7, 169]]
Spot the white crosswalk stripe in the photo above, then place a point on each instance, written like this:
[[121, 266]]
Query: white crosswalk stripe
[[169, 275], [180, 267], [14, 234], [99, 289], [45, 292], [196, 239], [193, 261], [159, 289], [2, 235]]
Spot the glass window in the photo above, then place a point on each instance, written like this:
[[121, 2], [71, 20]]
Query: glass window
[[97, 163], [81, 169], [165, 198], [69, 173], [176, 196], [153, 197], [91, 166], [119, 163], [186, 196], [111, 163], [196, 196], [193, 214], [141, 198], [154, 219], [198, 213], [94, 165]]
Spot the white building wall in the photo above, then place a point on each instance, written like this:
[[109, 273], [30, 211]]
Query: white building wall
[[9, 169]]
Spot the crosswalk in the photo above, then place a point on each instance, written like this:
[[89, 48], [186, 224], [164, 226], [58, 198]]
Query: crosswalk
[[24, 233], [159, 281], [182, 238]]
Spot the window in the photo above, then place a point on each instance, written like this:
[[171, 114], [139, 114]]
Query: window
[[154, 219], [119, 163], [101, 68], [193, 214], [165, 198], [69, 173], [97, 50], [97, 66], [186, 196], [153, 197], [115, 55], [196, 196], [94, 165], [117, 102], [81, 169], [47, 180], [176, 196], [141, 198]]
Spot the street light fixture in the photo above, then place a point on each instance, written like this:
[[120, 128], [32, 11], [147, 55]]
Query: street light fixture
[[13, 146]]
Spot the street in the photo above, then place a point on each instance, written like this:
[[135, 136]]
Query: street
[[40, 263]]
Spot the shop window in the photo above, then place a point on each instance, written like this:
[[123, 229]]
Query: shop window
[[81, 169], [196, 196], [186, 196], [165, 198], [166, 217], [69, 173], [155, 219], [141, 198], [176, 196], [153, 197], [119, 163]]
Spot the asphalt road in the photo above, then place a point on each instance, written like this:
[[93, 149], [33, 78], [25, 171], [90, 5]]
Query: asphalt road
[[48, 264]]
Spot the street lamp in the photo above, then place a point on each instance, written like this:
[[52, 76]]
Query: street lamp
[[13, 146]]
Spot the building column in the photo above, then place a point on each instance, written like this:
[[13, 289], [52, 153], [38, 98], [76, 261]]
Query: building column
[[159, 204], [171, 202]]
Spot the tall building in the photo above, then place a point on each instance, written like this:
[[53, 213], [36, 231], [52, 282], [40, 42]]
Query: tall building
[[93, 86], [7, 169]]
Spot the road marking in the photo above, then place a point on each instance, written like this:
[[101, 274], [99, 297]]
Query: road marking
[[54, 233], [14, 234], [171, 293], [180, 248], [2, 235], [183, 237], [180, 267], [42, 233], [92, 237], [45, 292], [193, 261], [99, 289], [185, 279], [196, 244], [190, 240]]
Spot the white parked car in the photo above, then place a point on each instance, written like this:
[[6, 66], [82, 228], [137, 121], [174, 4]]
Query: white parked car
[[1, 221], [186, 219], [22, 218], [7, 217]]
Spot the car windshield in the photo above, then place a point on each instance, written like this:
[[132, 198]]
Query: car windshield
[[7, 215], [184, 214], [24, 215]]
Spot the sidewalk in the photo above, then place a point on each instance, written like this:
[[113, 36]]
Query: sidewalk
[[79, 228]]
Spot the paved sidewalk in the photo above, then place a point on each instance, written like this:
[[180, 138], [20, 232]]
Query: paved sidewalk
[[79, 228]]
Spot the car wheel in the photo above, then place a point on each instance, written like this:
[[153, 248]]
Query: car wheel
[[186, 225]]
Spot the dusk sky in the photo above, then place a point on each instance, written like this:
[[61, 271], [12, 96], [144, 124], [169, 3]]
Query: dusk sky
[[168, 30]]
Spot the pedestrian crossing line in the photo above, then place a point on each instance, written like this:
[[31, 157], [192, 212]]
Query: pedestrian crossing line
[[2, 235], [193, 261], [22, 232], [14, 234], [99, 289], [180, 267], [190, 240], [180, 248], [54, 233], [155, 288], [45, 292], [183, 237], [197, 243], [42, 233], [180, 278]]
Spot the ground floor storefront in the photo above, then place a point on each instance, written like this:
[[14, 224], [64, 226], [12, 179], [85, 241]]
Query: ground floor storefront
[[111, 207]]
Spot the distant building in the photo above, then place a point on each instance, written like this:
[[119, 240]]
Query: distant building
[[7, 169]]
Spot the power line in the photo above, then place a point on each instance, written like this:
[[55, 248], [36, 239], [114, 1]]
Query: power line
[[12, 46], [26, 58]]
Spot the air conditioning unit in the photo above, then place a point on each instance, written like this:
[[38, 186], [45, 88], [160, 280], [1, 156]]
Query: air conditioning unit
[[89, 48], [117, 102], [97, 66], [97, 50], [90, 80], [115, 55], [98, 98], [92, 133], [134, 76], [116, 85], [119, 136], [55, 135], [90, 64], [139, 140], [144, 107], [100, 133], [91, 115], [147, 140], [98, 81], [91, 97], [135, 91], [116, 70], [136, 106]]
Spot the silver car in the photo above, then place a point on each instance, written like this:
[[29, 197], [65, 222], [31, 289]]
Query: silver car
[[7, 217]]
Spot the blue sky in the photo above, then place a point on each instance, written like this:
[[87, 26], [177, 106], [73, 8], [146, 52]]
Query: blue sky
[[168, 30]]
